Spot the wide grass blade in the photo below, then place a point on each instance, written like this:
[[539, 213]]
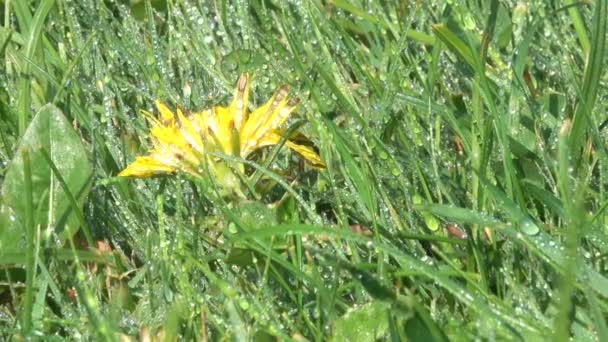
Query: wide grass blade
[[595, 62]]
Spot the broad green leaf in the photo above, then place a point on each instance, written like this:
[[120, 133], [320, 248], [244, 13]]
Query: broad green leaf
[[254, 215], [50, 133], [365, 323], [8, 237], [417, 329]]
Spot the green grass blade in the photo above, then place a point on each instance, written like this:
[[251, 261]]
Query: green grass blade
[[455, 44], [30, 236], [579, 25], [594, 66], [35, 31]]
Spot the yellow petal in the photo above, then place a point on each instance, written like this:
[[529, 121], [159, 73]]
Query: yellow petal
[[169, 136], [200, 122], [307, 153], [144, 167], [238, 107], [167, 117], [304, 151], [189, 132], [225, 127], [182, 143], [265, 119], [171, 144]]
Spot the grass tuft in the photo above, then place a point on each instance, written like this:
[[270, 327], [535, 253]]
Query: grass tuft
[[464, 196]]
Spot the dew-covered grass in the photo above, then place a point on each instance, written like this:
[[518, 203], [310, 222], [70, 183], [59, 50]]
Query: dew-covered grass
[[464, 197]]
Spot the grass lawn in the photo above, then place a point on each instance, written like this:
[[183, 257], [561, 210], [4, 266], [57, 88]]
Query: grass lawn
[[443, 177]]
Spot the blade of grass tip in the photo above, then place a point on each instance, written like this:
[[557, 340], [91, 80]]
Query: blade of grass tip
[[591, 77], [29, 244], [35, 31], [455, 44], [421, 37], [74, 204]]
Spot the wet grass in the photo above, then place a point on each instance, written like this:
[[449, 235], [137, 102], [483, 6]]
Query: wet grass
[[464, 195]]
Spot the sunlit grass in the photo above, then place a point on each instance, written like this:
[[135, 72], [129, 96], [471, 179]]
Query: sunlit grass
[[464, 193]]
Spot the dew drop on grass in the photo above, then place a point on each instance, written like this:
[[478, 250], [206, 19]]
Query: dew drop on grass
[[232, 228], [244, 304], [529, 227]]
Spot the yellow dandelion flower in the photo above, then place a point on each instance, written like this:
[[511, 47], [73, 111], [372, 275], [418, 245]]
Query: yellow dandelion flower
[[182, 143]]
